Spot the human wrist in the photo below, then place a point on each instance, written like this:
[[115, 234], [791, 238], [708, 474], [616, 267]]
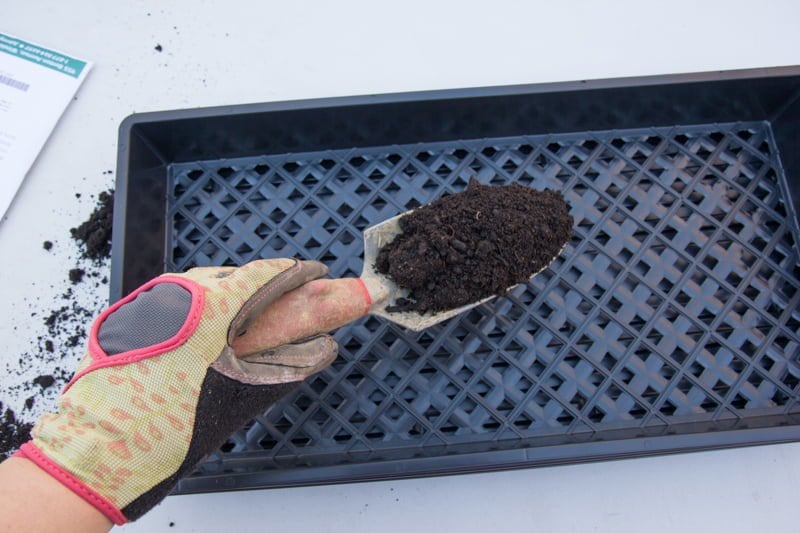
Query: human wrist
[[32, 500]]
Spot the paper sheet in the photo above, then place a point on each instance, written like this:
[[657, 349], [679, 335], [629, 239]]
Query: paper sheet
[[36, 85]]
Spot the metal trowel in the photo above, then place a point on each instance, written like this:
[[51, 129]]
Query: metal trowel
[[327, 304]]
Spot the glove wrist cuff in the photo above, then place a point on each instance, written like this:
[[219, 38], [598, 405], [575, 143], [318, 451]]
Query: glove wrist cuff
[[31, 452]]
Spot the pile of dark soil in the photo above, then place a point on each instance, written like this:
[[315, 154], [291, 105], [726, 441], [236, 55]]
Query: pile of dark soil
[[13, 433], [95, 233], [474, 244]]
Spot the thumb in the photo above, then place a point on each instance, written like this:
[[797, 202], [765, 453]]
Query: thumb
[[270, 285], [284, 364], [317, 307]]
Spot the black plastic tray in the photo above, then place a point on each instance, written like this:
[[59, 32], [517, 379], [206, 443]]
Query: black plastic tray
[[671, 322]]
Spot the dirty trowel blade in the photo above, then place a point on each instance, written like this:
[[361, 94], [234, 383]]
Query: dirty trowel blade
[[385, 292]]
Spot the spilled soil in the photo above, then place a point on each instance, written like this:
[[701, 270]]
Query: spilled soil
[[13, 433], [65, 322]]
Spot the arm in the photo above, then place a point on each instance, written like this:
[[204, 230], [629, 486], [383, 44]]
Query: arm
[[170, 372], [32, 500]]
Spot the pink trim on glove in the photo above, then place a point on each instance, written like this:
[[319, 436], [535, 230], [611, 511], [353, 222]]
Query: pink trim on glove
[[102, 360], [367, 297], [34, 454]]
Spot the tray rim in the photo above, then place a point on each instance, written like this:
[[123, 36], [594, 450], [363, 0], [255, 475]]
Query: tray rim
[[495, 460], [445, 94], [491, 461]]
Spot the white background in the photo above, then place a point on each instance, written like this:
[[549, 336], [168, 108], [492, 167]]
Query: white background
[[236, 52]]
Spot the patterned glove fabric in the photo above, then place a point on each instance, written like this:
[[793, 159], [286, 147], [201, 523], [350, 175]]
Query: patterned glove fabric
[[160, 386]]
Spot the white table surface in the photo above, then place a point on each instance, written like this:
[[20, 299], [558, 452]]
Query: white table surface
[[218, 53]]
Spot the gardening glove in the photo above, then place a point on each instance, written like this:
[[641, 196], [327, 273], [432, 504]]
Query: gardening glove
[[160, 386]]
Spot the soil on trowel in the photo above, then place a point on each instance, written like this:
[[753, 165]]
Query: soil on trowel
[[477, 243]]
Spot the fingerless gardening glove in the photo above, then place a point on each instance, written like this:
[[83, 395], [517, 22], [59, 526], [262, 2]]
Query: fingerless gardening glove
[[160, 386]]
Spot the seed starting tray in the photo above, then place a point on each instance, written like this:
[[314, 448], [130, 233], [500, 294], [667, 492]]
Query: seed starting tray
[[671, 322]]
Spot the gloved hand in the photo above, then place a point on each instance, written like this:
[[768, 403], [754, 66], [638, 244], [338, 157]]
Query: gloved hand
[[160, 386]]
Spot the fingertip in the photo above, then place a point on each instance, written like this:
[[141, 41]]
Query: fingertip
[[332, 349], [314, 269]]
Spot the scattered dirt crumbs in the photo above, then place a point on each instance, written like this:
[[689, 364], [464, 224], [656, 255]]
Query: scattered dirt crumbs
[[13, 433], [44, 382], [76, 275], [467, 246], [95, 234], [47, 365]]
